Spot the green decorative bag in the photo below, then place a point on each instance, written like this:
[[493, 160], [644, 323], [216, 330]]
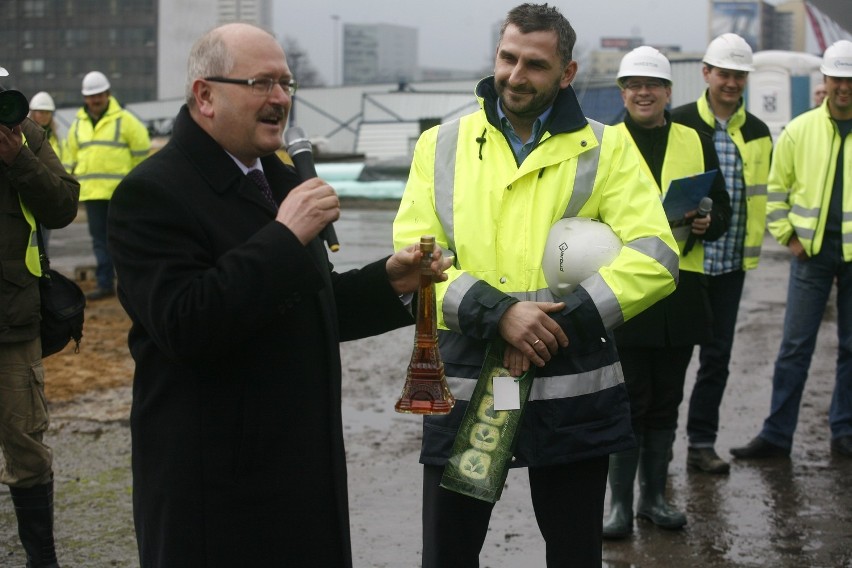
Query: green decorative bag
[[483, 448]]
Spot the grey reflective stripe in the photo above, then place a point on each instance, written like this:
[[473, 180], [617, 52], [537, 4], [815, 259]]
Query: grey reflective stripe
[[757, 189], [445, 172], [137, 153], [847, 216], [751, 252], [587, 169], [812, 212], [566, 386], [776, 197], [805, 233], [453, 297], [553, 388], [107, 143], [777, 215], [605, 301], [657, 249], [117, 134], [101, 176], [847, 239]]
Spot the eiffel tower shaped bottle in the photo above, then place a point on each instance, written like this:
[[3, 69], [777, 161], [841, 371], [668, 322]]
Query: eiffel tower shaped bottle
[[426, 390]]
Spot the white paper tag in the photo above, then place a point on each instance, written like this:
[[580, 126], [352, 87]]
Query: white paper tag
[[507, 393]]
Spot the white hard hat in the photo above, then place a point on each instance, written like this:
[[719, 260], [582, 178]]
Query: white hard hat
[[3, 72], [837, 59], [576, 248], [645, 61], [729, 51], [94, 83], [42, 101]]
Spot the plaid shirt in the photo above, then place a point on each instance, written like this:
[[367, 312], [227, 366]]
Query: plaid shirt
[[726, 254]]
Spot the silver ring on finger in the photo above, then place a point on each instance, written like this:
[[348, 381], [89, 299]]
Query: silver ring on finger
[[536, 342]]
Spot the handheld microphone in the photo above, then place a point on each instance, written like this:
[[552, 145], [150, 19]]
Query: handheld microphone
[[300, 151], [704, 208]]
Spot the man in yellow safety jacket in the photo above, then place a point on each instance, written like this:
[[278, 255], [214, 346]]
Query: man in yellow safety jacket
[[810, 211], [104, 142], [744, 147], [490, 186]]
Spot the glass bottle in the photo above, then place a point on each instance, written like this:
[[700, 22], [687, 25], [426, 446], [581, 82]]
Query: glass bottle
[[426, 390]]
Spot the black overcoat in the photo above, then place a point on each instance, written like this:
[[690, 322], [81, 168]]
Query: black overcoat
[[237, 444]]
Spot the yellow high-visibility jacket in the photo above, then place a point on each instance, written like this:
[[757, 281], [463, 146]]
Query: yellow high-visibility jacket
[[801, 180], [754, 143], [466, 188], [667, 153], [100, 155], [685, 156]]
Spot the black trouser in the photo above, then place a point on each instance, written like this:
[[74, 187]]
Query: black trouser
[[654, 379], [568, 501], [702, 423]]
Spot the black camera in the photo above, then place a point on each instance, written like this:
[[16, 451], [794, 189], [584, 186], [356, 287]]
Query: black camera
[[14, 107]]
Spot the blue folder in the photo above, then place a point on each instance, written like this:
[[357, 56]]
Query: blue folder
[[685, 193]]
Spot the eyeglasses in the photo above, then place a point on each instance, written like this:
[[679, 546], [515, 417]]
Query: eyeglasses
[[262, 86], [636, 86]]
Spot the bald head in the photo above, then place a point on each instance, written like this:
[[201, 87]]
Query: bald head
[[213, 55], [237, 90]]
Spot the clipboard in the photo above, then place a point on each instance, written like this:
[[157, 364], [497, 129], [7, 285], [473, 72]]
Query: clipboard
[[685, 193]]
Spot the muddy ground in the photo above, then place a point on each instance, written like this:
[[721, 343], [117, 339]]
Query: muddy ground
[[782, 513]]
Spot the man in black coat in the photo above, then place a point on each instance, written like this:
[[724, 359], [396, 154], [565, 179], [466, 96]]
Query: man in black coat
[[238, 455], [656, 346]]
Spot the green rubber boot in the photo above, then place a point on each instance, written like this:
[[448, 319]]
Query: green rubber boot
[[653, 470], [622, 472]]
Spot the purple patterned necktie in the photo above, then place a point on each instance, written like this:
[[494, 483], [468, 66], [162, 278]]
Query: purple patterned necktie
[[260, 180]]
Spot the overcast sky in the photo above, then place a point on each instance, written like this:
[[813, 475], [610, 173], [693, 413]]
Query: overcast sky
[[456, 33]]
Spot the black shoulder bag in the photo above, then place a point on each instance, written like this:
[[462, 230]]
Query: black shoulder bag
[[62, 307]]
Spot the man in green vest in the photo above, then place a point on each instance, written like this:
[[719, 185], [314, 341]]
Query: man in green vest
[[744, 147], [489, 186]]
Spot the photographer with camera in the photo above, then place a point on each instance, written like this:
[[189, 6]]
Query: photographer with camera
[[34, 189]]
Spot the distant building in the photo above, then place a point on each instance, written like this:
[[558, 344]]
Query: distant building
[[379, 53], [796, 25], [141, 45]]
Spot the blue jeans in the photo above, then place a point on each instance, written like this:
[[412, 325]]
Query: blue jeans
[[702, 424], [807, 296], [96, 211]]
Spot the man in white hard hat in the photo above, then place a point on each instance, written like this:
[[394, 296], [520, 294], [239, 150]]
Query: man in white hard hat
[[809, 211], [104, 143], [656, 346], [34, 188], [42, 109], [744, 146]]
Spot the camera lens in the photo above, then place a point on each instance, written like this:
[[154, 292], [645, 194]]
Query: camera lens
[[13, 108]]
